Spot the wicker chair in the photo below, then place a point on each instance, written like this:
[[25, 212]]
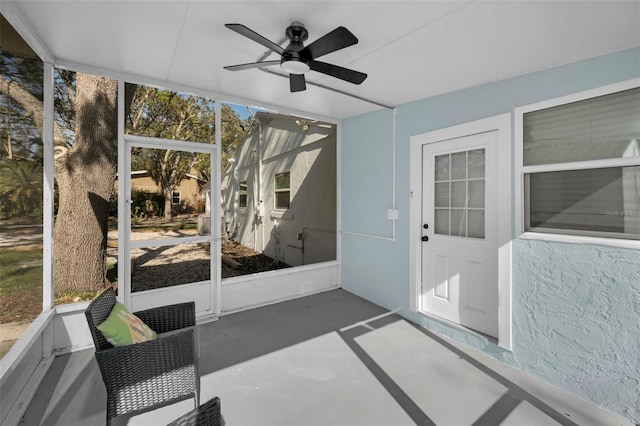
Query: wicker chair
[[145, 376], [208, 414]]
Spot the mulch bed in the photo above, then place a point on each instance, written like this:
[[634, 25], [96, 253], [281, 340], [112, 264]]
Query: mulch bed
[[252, 262], [189, 263]]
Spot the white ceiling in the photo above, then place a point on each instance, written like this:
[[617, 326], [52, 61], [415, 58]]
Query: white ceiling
[[410, 49]]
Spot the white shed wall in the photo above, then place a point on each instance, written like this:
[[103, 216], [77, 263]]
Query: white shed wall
[[306, 232]]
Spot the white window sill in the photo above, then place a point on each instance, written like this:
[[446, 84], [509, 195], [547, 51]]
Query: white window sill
[[579, 239], [281, 214]]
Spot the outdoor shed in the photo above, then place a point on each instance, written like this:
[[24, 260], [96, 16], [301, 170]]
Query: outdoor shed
[[279, 189]]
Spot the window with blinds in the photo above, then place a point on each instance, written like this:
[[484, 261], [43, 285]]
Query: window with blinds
[[601, 197], [593, 129]]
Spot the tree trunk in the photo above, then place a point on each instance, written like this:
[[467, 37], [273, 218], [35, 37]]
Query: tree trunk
[[168, 203], [86, 176]]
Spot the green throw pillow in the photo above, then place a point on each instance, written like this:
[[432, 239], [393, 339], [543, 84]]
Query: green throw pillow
[[123, 328]]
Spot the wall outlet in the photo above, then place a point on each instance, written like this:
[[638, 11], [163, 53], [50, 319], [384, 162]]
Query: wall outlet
[[393, 214]]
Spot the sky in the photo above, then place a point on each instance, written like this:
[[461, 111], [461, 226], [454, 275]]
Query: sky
[[243, 111]]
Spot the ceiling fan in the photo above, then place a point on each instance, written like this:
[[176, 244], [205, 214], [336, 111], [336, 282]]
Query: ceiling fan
[[296, 59]]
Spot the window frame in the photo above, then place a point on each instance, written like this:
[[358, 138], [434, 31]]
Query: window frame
[[568, 236], [173, 197], [279, 190], [242, 205]]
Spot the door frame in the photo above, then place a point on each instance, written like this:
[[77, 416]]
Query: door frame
[[164, 296], [502, 124]]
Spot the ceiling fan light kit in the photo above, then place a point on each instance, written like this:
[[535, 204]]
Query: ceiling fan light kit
[[294, 66], [296, 59]]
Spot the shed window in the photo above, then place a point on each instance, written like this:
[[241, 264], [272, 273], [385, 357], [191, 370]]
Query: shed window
[[282, 191], [242, 194]]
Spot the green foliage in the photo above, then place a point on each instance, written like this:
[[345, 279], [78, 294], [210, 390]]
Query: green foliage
[[147, 203], [20, 189], [167, 168], [144, 205], [171, 115], [20, 137], [233, 130]]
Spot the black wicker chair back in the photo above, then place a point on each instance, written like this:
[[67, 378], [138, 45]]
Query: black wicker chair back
[[98, 311], [149, 375]]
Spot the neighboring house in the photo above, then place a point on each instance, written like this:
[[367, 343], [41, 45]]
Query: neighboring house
[[186, 197], [279, 190]]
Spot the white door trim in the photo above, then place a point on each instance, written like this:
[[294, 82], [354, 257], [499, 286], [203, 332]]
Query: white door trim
[[501, 124]]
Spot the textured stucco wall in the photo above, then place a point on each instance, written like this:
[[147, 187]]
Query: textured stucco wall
[[576, 308], [579, 307]]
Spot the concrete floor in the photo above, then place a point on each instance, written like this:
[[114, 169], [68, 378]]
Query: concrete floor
[[329, 359]]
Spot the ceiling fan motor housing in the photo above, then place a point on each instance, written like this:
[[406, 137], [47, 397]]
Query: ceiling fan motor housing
[[292, 61]]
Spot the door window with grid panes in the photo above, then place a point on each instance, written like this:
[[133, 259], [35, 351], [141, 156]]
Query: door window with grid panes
[[459, 194]]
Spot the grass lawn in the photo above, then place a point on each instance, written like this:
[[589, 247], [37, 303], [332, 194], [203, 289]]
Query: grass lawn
[[21, 276], [20, 283]]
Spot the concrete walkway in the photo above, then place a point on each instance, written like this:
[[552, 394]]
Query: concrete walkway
[[20, 235]]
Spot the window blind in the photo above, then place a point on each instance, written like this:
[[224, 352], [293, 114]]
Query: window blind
[[598, 128]]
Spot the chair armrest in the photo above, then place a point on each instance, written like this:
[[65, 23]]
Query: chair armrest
[[170, 317], [123, 366]]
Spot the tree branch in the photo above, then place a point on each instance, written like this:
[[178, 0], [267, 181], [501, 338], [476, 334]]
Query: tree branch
[[32, 105]]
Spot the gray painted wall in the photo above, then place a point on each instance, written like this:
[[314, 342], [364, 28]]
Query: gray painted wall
[[575, 307]]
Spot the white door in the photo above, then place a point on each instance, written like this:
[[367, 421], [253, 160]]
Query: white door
[[460, 231], [171, 262]]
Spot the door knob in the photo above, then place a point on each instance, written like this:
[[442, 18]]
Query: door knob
[[425, 238]]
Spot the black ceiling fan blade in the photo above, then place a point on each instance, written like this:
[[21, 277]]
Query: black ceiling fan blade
[[250, 65], [297, 82], [242, 30], [330, 42], [355, 77]]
